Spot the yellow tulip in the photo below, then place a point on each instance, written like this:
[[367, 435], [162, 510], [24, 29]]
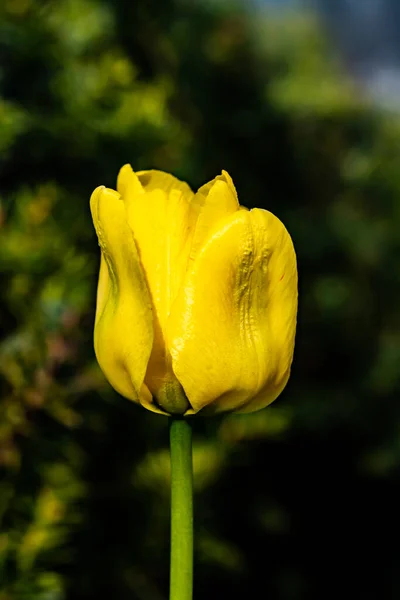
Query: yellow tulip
[[197, 297]]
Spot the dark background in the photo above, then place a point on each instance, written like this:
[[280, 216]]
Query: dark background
[[297, 502]]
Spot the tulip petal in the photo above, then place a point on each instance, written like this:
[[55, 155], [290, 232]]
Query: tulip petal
[[159, 180], [159, 220], [213, 201], [225, 178], [128, 182], [232, 327], [123, 335]]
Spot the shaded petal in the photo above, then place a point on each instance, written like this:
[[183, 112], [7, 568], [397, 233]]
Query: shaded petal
[[123, 334], [233, 324]]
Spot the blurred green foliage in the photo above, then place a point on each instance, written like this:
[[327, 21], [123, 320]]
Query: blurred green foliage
[[299, 501]]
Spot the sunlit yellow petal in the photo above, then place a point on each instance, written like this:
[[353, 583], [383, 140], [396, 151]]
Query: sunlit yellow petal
[[213, 202], [158, 180], [159, 220], [123, 330], [232, 327], [225, 178], [282, 306], [128, 182]]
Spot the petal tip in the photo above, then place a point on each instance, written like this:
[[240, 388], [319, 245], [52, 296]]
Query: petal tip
[[228, 179], [95, 199], [128, 181]]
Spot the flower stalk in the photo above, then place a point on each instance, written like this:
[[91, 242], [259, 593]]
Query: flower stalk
[[181, 566]]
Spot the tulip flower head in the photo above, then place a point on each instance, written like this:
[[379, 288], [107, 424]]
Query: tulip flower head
[[197, 296]]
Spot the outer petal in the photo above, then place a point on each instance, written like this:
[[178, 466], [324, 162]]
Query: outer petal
[[123, 334], [157, 207], [159, 220], [233, 325]]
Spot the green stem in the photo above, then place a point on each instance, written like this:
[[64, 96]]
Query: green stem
[[181, 574]]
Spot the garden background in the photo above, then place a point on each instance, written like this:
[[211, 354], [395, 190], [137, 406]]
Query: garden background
[[297, 502]]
